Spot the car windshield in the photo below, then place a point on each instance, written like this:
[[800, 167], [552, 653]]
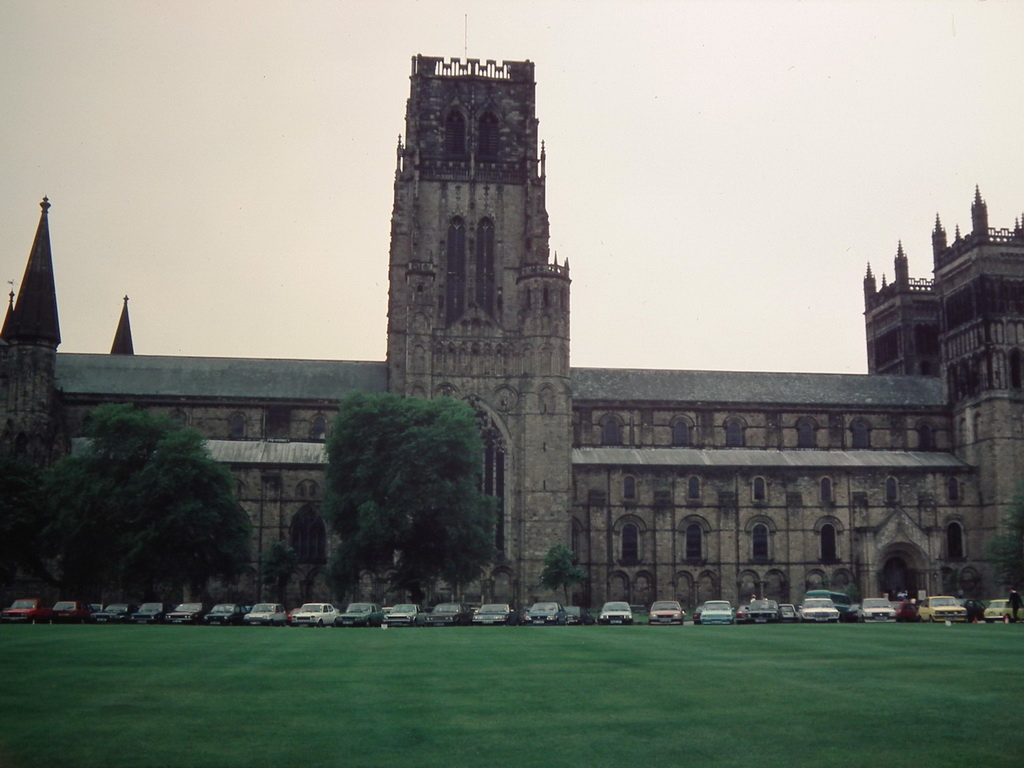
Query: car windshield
[[405, 608], [876, 602], [819, 603], [762, 605], [717, 607], [359, 608], [544, 608], [310, 608], [616, 607], [264, 608], [493, 609], [665, 606], [116, 608], [189, 607], [24, 604], [150, 607], [64, 606], [997, 604], [943, 602], [223, 608], [446, 608]]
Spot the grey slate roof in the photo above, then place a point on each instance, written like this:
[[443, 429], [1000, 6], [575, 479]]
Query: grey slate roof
[[801, 389], [216, 377], [268, 452], [752, 458]]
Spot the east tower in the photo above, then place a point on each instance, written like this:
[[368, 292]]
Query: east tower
[[478, 310]]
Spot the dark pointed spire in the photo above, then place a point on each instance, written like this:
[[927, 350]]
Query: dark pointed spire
[[123, 336], [870, 286], [979, 214], [35, 314], [938, 238], [902, 277]]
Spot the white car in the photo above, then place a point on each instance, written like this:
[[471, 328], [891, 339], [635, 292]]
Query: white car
[[820, 610], [877, 609], [314, 615], [615, 613], [271, 614], [717, 612]]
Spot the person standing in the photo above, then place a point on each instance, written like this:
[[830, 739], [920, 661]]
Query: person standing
[[1014, 603]]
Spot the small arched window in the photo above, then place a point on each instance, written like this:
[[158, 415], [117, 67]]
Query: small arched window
[[611, 433], [759, 490], [925, 437], [759, 542], [806, 434], [237, 426], [860, 434], [953, 489], [734, 433], [826, 490], [318, 428], [693, 488], [955, 541], [680, 434], [630, 543], [694, 542], [829, 553], [892, 490], [629, 487], [455, 134]]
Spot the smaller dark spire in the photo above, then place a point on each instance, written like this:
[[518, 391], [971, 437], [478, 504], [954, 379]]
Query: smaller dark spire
[[902, 277], [123, 336], [938, 238], [979, 214]]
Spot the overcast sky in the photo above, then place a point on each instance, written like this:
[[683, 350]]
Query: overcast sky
[[719, 174]]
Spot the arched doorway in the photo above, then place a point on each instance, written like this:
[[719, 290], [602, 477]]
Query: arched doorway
[[897, 577]]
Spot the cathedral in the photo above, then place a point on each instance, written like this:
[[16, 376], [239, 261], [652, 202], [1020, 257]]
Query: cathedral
[[667, 484]]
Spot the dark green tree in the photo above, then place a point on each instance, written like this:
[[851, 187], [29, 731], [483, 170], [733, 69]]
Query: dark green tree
[[144, 507], [403, 492], [561, 571], [278, 565], [23, 518], [1006, 551]]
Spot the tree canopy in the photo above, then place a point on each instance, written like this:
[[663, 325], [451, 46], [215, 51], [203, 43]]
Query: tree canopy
[[403, 492], [143, 506], [561, 570], [22, 519], [1006, 551]]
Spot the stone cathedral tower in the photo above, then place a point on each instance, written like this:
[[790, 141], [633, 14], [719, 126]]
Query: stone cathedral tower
[[478, 310]]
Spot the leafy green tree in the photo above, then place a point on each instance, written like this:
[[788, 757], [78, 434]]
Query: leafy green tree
[[279, 564], [23, 519], [1006, 551], [561, 571], [403, 492], [143, 506]]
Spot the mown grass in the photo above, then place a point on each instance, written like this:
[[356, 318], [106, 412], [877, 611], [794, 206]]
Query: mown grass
[[848, 695]]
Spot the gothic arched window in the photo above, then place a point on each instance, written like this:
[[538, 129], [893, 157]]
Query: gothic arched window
[[806, 434], [455, 251], [629, 487], [680, 433], [892, 490], [318, 428], [485, 265], [455, 134], [309, 536], [759, 490], [694, 542], [925, 437], [955, 541], [759, 541], [693, 488], [953, 489], [829, 553], [487, 137], [611, 432], [630, 543], [826, 490], [734, 433], [237, 426]]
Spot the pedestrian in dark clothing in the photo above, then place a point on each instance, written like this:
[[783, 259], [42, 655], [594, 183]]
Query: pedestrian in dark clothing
[[1015, 603]]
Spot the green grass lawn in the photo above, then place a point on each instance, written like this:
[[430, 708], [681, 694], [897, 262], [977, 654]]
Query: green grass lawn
[[847, 695]]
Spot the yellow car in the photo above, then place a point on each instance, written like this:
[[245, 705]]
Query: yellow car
[[998, 610], [941, 608]]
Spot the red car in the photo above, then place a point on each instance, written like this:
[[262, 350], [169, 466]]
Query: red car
[[71, 612], [906, 611], [27, 611]]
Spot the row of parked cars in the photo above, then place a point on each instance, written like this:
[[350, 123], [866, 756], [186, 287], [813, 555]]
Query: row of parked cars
[[814, 609]]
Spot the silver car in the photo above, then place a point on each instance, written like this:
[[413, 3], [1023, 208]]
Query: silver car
[[876, 609]]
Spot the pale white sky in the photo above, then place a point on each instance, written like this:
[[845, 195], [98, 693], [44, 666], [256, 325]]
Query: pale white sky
[[719, 173]]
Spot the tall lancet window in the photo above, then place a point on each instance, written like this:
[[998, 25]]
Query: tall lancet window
[[455, 134], [485, 266], [493, 480], [487, 137], [455, 293]]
